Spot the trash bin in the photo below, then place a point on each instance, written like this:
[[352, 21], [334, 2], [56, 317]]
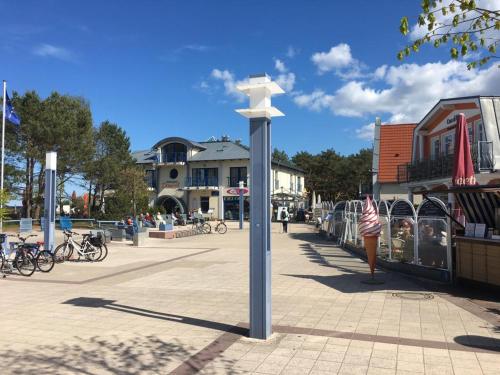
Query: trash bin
[[139, 237]]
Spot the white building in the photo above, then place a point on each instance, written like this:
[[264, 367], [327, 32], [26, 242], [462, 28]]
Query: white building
[[184, 175]]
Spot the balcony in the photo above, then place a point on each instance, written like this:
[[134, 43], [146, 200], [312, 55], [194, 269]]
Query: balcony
[[235, 181], [173, 157], [198, 182], [442, 166]]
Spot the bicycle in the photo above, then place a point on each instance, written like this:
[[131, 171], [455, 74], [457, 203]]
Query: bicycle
[[221, 227], [44, 258], [201, 226], [23, 260], [91, 248]]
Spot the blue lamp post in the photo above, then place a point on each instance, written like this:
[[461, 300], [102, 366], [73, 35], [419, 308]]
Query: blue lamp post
[[50, 200], [260, 88]]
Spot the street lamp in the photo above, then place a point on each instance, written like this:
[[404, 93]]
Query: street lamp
[[260, 88]]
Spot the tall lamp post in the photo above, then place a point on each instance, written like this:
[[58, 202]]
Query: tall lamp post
[[260, 88], [50, 200], [241, 191]]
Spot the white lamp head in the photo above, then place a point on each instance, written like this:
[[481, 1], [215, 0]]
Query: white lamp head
[[51, 160], [260, 88]]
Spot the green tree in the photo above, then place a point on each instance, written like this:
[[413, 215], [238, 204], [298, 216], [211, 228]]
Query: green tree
[[280, 155], [111, 157], [459, 23]]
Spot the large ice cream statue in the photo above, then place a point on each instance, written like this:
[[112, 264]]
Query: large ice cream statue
[[369, 227]]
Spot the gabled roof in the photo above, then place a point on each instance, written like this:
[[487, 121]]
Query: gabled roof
[[220, 150], [395, 149], [144, 156]]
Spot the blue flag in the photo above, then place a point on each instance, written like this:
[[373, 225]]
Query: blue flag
[[10, 113]]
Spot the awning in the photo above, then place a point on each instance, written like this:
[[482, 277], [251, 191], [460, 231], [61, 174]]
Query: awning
[[479, 202], [479, 207]]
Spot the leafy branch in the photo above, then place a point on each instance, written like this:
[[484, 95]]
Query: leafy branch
[[468, 28]]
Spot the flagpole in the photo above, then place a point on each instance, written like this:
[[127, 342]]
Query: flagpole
[[3, 146]]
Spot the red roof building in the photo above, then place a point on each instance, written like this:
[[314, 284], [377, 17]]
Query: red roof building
[[392, 147]]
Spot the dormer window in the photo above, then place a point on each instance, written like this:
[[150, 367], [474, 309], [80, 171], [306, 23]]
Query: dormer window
[[174, 153]]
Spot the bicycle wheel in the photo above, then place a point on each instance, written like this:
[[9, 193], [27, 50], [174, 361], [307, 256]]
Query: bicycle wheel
[[93, 253], [45, 261], [104, 252], [25, 263], [221, 228], [63, 252], [206, 228]]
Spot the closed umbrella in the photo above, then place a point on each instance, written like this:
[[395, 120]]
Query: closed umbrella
[[463, 168]]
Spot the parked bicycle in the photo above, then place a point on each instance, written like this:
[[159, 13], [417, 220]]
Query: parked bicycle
[[201, 226], [20, 258], [91, 248], [221, 227], [44, 259]]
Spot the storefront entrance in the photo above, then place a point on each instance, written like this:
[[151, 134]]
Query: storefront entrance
[[232, 208], [172, 204]]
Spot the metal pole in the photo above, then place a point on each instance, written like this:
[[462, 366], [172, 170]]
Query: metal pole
[[242, 209], [50, 200], [3, 145], [260, 228]]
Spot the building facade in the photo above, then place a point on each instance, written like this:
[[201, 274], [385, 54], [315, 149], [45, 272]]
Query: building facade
[[184, 175], [392, 147], [433, 145]]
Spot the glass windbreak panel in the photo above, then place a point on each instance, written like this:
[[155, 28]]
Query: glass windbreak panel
[[358, 237], [402, 239], [338, 217], [432, 243], [480, 132], [383, 251]]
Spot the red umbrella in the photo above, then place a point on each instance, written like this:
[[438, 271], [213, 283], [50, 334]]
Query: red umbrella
[[463, 169]]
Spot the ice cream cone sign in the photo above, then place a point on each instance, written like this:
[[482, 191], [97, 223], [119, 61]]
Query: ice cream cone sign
[[369, 227]]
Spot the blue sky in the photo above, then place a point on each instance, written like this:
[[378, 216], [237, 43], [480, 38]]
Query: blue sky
[[168, 68]]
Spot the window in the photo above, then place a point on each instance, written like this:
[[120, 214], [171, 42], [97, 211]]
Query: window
[[448, 143], [435, 148], [150, 178], [204, 204], [173, 153], [470, 133], [205, 177], [291, 183], [174, 173], [237, 174], [480, 132]]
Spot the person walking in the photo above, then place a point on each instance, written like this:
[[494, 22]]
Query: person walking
[[285, 217]]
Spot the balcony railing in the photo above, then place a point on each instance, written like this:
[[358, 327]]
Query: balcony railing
[[235, 181], [201, 181], [442, 165], [173, 157]]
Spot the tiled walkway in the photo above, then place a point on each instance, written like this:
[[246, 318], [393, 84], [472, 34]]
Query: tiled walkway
[[179, 306]]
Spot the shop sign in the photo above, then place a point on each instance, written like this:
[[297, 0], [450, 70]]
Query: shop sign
[[170, 185], [236, 191]]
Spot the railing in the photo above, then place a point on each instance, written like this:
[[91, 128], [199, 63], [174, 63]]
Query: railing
[[442, 165], [235, 181], [201, 181], [173, 157]]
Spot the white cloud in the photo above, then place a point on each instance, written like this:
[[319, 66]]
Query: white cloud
[[49, 50], [229, 82], [280, 66], [409, 90], [338, 57], [286, 81], [339, 60], [366, 132], [291, 52]]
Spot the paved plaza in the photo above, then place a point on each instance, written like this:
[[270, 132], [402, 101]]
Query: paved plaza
[[181, 306]]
